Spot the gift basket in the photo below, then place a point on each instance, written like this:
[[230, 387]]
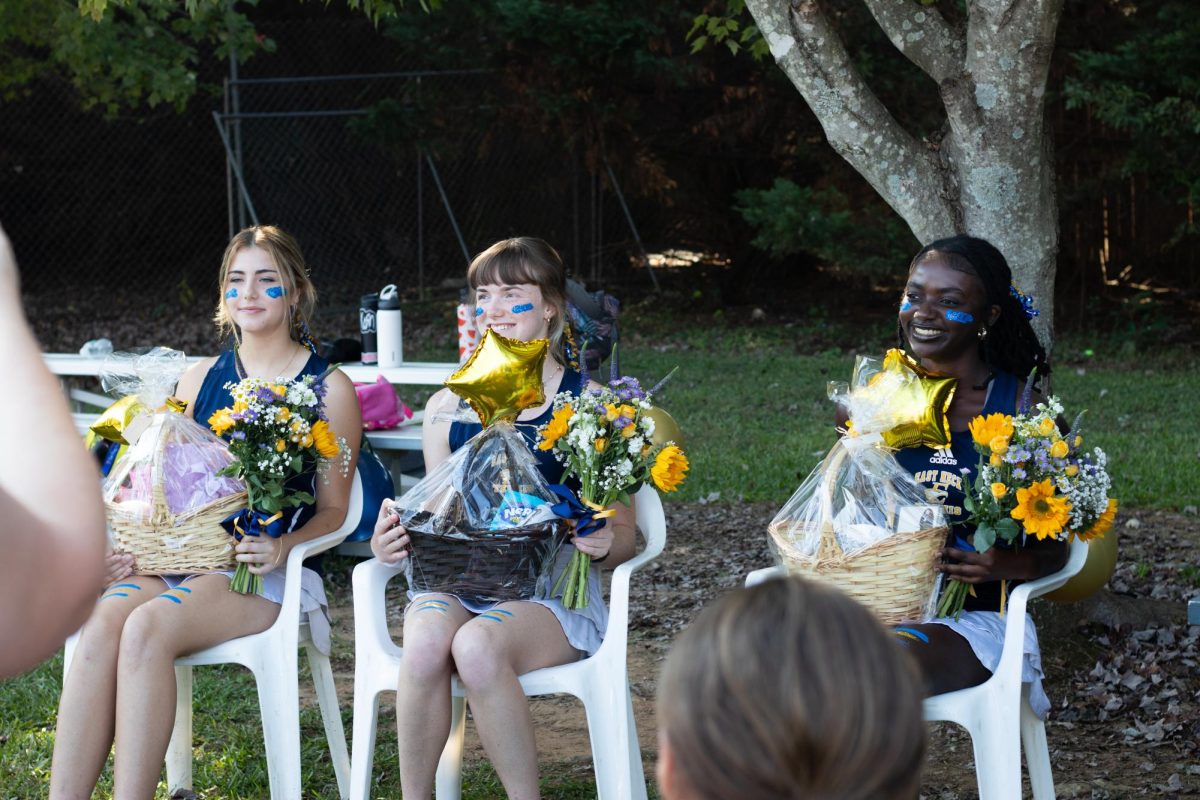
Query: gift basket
[[163, 500], [481, 523], [859, 521]]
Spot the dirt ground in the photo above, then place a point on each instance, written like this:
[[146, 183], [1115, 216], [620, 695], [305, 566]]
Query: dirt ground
[[1123, 667]]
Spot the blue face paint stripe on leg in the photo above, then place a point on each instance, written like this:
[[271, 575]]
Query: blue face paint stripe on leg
[[959, 316], [231, 294], [275, 292], [912, 633], [182, 589], [115, 594], [438, 609], [171, 597], [521, 309], [126, 586], [500, 611], [490, 615]]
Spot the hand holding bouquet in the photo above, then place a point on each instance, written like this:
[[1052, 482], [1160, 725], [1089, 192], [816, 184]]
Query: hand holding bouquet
[[275, 430], [1032, 481], [605, 438]]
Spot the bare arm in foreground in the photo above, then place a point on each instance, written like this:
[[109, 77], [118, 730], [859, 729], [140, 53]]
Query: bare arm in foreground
[[51, 515]]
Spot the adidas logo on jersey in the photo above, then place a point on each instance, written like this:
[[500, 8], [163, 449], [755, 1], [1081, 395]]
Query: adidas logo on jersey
[[945, 456]]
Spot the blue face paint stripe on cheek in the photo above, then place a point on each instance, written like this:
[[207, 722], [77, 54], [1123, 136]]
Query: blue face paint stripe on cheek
[[959, 316], [478, 311], [906, 306], [231, 294], [275, 292], [523, 308]]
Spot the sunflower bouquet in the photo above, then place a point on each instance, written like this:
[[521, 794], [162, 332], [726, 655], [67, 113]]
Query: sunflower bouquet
[[275, 430], [605, 437], [1032, 481]]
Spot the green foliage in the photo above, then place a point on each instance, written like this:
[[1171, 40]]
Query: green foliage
[[730, 29], [1149, 87], [374, 9], [790, 219], [144, 53]]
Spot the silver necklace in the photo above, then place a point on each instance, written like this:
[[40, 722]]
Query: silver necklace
[[243, 373]]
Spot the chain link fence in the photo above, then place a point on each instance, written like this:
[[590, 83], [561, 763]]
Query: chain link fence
[[402, 177], [393, 177]]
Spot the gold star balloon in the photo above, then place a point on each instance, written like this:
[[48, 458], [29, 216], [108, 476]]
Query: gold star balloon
[[502, 377], [917, 409]]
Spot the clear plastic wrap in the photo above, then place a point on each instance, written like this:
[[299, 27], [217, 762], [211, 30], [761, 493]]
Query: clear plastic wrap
[[163, 500], [859, 521], [481, 522]]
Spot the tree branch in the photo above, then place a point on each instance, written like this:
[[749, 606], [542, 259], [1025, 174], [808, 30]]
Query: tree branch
[[922, 35], [856, 123]]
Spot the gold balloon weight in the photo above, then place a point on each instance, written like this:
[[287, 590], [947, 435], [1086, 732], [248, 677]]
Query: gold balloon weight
[[502, 378]]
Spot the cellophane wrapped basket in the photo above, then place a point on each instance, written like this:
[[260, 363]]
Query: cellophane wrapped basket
[[481, 523], [860, 522], [163, 501]]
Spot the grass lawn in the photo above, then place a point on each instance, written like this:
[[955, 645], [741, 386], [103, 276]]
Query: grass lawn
[[751, 401]]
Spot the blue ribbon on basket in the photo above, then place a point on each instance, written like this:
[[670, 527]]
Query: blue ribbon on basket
[[249, 522], [588, 520]]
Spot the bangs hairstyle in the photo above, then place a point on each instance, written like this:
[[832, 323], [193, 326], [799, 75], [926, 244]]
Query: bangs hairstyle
[[285, 254], [789, 689], [527, 260]]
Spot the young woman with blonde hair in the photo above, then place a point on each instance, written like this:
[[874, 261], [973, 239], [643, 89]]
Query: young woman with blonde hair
[[121, 686]]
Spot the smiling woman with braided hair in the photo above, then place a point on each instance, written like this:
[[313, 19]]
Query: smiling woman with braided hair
[[961, 317]]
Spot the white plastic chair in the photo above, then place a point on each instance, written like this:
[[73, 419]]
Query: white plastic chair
[[997, 709], [601, 682], [271, 656]]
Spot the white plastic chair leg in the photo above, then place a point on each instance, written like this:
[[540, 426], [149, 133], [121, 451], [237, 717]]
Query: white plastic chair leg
[[449, 769], [1037, 752], [608, 729], [179, 749], [635, 753], [335, 734], [997, 746], [279, 699], [362, 753]]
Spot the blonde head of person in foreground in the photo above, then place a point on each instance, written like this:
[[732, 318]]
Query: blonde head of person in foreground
[[788, 690]]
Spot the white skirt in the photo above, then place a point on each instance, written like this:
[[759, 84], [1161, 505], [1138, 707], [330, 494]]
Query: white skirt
[[984, 631]]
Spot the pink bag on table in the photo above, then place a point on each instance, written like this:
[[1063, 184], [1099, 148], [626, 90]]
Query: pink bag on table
[[381, 408]]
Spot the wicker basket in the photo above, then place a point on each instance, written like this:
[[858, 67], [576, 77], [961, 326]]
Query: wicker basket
[[490, 565], [893, 577], [164, 543]]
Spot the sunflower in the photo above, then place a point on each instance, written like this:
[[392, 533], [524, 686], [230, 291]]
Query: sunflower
[[1043, 514], [556, 428], [326, 442], [1101, 525], [221, 421], [985, 429], [669, 469]]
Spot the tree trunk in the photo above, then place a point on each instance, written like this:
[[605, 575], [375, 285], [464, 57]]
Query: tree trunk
[[991, 174]]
